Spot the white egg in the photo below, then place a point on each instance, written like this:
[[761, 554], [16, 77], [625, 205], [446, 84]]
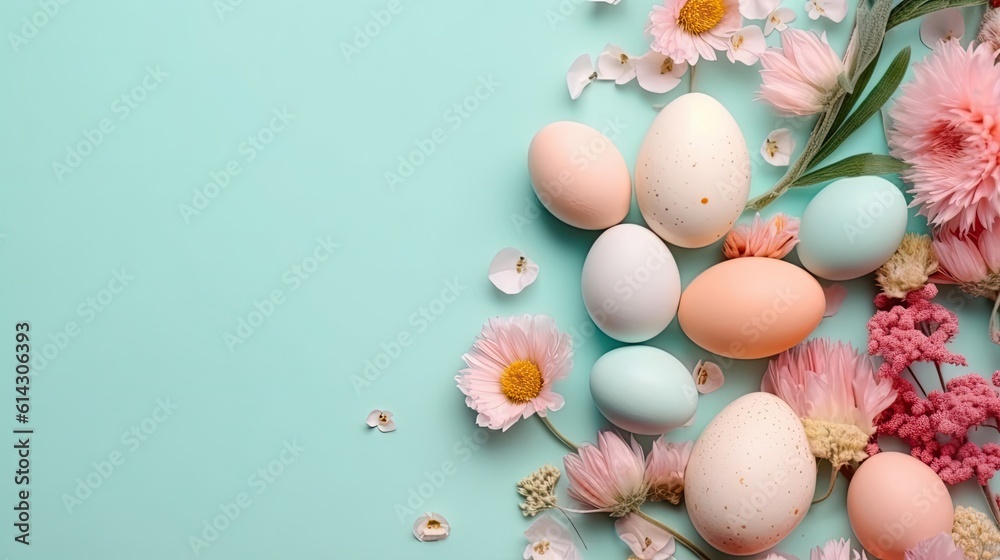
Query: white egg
[[692, 176], [751, 476], [630, 282]]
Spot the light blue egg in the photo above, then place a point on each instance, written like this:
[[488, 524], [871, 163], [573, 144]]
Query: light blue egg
[[643, 390], [852, 227]]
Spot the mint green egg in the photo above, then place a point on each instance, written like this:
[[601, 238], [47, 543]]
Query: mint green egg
[[643, 390], [852, 227]]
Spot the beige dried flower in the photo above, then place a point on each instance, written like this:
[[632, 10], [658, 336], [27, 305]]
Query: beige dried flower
[[539, 490], [909, 267], [975, 534], [989, 31]]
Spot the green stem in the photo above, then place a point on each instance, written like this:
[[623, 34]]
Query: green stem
[[572, 446], [991, 500], [680, 538], [691, 79], [833, 482]]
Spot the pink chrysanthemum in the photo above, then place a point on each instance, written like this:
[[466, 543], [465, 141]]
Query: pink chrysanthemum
[[833, 389], [511, 369], [836, 550], [971, 260], [685, 30], [774, 238], [665, 470], [609, 477], [946, 125], [801, 77]]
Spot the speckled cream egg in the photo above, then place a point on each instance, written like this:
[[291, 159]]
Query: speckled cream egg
[[579, 175], [751, 476], [692, 176]]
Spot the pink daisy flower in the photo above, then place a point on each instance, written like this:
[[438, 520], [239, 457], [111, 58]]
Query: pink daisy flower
[[610, 476], [511, 368], [665, 467], [801, 77], [685, 30], [946, 125]]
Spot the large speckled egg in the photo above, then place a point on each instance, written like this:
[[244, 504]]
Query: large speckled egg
[[630, 283], [751, 307], [643, 390], [852, 227], [692, 176], [579, 175], [751, 476], [894, 502]]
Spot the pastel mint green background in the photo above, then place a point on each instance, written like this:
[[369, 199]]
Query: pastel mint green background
[[161, 338]]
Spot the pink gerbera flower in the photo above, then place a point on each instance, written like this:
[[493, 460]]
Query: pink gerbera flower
[[608, 477], [946, 125], [685, 30], [511, 369]]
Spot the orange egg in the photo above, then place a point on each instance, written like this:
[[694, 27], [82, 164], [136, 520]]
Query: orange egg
[[894, 502], [751, 307]]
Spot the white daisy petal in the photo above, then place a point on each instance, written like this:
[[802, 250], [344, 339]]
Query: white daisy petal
[[431, 527], [708, 377], [758, 9], [511, 271], [746, 45], [835, 10], [659, 73], [778, 20], [615, 64], [942, 25], [778, 147], [579, 76], [612, 2]]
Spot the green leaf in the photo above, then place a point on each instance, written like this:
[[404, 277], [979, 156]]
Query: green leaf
[[881, 93], [852, 98], [853, 166], [912, 9]]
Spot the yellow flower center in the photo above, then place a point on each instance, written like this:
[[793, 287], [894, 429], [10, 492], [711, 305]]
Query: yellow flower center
[[667, 66], [623, 58], [542, 547], [521, 381], [699, 16], [433, 524]]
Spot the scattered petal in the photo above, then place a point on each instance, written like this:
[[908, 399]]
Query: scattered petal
[[758, 9], [381, 419], [511, 271], [612, 2], [835, 294], [548, 539], [778, 20], [835, 10], [647, 541], [778, 147], [615, 64], [746, 45], [431, 527], [579, 76], [708, 377], [942, 25], [658, 73], [940, 547]]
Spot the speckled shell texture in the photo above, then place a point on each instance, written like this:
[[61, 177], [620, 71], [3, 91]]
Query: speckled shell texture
[[751, 476], [692, 176]]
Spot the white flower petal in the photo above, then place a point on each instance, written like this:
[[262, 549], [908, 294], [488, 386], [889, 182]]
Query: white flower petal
[[511, 271], [579, 76], [612, 2], [708, 377], [942, 25], [778, 147], [835, 10], [659, 73], [615, 64], [835, 294], [548, 539], [373, 418], [758, 9], [779, 20], [431, 527], [746, 45]]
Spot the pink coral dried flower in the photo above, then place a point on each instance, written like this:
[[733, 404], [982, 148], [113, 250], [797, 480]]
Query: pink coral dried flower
[[665, 470], [608, 477], [774, 238], [800, 78], [946, 125]]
